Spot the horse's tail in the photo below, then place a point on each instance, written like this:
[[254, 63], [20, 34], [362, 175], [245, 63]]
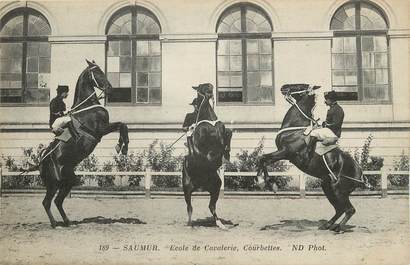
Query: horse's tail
[[362, 180]]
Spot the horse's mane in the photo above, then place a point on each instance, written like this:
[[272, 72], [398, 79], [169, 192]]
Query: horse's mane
[[78, 86], [291, 88]]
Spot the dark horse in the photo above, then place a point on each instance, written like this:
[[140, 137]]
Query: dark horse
[[291, 144], [200, 169], [92, 123]]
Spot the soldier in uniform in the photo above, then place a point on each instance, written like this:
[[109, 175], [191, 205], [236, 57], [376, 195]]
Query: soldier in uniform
[[190, 119], [331, 128], [57, 109]]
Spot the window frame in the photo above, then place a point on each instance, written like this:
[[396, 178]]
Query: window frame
[[243, 36], [358, 34], [134, 38], [24, 39]]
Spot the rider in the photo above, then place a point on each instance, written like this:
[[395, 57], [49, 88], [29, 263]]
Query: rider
[[190, 119], [331, 128], [58, 118]]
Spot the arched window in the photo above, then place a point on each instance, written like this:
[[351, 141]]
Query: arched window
[[360, 65], [24, 57], [244, 56], [133, 57]]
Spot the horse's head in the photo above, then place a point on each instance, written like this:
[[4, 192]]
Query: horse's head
[[98, 78], [204, 90], [303, 94]]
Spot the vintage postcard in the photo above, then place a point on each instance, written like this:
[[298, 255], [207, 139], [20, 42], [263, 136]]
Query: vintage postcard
[[204, 132]]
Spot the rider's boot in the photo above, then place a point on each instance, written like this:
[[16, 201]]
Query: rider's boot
[[190, 146], [227, 136], [72, 130], [311, 143]]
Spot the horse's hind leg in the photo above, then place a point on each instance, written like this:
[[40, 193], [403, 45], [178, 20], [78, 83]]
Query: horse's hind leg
[[327, 189], [214, 191], [187, 195], [67, 184], [344, 205], [51, 186]]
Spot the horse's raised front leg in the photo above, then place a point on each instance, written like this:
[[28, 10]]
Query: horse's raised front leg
[[123, 140], [262, 164]]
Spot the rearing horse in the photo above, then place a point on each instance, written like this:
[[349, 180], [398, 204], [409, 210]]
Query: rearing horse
[[92, 122], [200, 169], [290, 141]]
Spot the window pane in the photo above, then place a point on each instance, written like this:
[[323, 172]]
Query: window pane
[[382, 76], [259, 94], [367, 60], [113, 48], [236, 80], [265, 46], [44, 65], [344, 18], [146, 23], [32, 80], [380, 60], [367, 43], [155, 64], [338, 61], [142, 48], [142, 79], [125, 47], [114, 79], [223, 63], [369, 77], [142, 94], [350, 61], [338, 77], [223, 47], [44, 49], [252, 46], [266, 78], [121, 25], [125, 64], [371, 18], [231, 21], [125, 79], [235, 47], [351, 77], [155, 47], [113, 64], [223, 79], [13, 27], [32, 49], [381, 43], [38, 26], [44, 80], [256, 21], [253, 79], [375, 93], [230, 96], [235, 63], [155, 95], [265, 62], [349, 44], [337, 45], [11, 50], [253, 62], [154, 80], [120, 95], [142, 63], [36, 96]]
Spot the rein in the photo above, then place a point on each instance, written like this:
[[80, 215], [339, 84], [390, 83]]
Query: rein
[[96, 86], [288, 99]]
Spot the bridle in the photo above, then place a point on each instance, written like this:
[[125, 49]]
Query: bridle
[[292, 101], [96, 85], [200, 106]]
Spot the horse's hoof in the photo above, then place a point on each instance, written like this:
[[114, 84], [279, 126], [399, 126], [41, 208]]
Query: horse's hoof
[[118, 148], [67, 223], [124, 150], [324, 226], [220, 224], [53, 225], [335, 228]]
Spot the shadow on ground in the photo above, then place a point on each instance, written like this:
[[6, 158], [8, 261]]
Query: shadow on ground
[[104, 220], [301, 226], [210, 222]]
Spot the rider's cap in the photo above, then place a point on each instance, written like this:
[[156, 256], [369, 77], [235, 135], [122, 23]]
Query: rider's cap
[[331, 95], [61, 89], [194, 102]]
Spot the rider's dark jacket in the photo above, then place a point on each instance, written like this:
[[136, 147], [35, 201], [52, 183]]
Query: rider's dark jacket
[[57, 108], [334, 119], [190, 119]]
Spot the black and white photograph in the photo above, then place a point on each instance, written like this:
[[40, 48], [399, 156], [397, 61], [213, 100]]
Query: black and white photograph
[[192, 132]]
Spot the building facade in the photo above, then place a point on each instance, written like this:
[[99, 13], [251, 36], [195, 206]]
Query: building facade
[[154, 51]]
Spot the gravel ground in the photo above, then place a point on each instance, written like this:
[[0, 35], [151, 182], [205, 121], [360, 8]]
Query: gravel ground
[[260, 231]]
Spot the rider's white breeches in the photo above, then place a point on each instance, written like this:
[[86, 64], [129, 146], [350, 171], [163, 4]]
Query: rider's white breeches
[[323, 133], [60, 122]]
